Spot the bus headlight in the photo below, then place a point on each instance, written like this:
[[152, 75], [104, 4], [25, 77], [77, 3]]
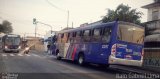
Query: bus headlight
[[19, 47], [6, 47], [27, 48], [113, 50]]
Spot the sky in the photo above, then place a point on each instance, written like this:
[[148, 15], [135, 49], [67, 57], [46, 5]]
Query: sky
[[21, 13]]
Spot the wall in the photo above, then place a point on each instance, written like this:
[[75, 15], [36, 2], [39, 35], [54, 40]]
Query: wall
[[152, 59], [150, 10], [36, 44]]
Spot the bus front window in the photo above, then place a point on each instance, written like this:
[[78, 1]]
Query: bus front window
[[130, 33], [16, 41], [13, 41]]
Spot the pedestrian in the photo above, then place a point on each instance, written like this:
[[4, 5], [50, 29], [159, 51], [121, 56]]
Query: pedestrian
[[53, 47], [48, 47]]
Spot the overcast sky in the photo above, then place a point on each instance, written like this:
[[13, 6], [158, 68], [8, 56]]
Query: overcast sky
[[21, 12]]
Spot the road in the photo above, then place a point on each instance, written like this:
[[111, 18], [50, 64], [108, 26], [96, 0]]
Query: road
[[42, 66]]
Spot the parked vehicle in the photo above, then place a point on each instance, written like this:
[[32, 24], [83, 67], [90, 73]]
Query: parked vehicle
[[105, 43]]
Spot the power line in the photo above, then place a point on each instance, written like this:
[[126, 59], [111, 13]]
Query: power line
[[54, 6], [61, 10]]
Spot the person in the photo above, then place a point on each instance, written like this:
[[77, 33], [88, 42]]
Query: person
[[49, 47], [27, 48], [53, 46]]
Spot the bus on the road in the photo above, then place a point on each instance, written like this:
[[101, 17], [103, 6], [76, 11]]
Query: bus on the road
[[114, 42], [11, 43]]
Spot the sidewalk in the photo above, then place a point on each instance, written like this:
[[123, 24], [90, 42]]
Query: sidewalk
[[135, 69]]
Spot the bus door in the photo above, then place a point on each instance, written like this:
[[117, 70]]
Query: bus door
[[100, 44], [105, 49]]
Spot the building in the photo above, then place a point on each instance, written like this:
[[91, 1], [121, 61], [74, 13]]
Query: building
[[153, 10], [151, 59], [152, 27]]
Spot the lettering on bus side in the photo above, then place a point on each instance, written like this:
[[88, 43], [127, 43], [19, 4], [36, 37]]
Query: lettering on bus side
[[84, 47], [137, 53], [121, 46], [129, 50], [104, 46]]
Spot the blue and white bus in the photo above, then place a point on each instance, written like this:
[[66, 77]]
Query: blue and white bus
[[11, 43], [114, 42]]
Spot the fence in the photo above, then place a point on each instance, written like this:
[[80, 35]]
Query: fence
[[152, 58]]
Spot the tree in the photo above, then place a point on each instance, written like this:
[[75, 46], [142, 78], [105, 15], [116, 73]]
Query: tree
[[6, 27], [157, 1], [123, 13]]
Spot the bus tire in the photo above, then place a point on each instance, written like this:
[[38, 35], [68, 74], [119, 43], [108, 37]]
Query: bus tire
[[4, 51], [58, 57], [81, 59]]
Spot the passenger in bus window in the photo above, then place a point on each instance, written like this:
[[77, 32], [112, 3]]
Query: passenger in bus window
[[106, 35], [96, 35]]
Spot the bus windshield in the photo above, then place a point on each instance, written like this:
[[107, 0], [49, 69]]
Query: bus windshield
[[12, 41], [130, 33]]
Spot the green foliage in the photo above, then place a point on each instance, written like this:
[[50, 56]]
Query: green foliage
[[123, 13], [6, 27]]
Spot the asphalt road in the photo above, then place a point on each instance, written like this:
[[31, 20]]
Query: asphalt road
[[42, 66]]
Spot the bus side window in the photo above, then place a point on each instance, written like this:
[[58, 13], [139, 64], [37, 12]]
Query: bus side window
[[59, 38], [78, 37], [74, 37], [106, 35], [71, 37], [68, 38], [86, 35], [96, 35], [65, 38], [62, 36]]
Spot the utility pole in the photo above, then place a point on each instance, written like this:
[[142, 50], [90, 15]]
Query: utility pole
[[61, 10], [67, 19], [72, 24], [35, 23], [35, 30]]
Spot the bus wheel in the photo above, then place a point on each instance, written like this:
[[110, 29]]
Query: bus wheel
[[81, 59], [4, 51], [58, 56]]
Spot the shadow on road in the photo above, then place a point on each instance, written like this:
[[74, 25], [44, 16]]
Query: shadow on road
[[94, 67]]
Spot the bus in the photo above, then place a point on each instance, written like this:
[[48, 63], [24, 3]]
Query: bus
[[114, 42], [11, 43]]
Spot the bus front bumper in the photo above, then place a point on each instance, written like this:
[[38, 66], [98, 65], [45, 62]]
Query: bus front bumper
[[14, 50], [113, 60]]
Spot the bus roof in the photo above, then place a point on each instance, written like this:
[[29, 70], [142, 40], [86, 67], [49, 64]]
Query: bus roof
[[90, 26], [1, 35], [12, 35]]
